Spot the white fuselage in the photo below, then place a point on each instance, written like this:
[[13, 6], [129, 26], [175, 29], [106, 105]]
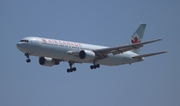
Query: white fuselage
[[60, 49]]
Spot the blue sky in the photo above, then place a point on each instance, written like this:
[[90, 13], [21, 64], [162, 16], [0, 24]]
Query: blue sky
[[153, 82]]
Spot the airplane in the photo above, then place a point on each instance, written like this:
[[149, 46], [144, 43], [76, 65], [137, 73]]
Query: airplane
[[52, 52]]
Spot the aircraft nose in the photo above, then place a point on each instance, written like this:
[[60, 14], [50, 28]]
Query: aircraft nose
[[18, 45]]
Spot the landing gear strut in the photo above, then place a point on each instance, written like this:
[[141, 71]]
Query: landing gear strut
[[71, 69], [27, 56], [94, 66]]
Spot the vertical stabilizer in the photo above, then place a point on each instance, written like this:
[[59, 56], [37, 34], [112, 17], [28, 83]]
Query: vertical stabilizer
[[137, 37]]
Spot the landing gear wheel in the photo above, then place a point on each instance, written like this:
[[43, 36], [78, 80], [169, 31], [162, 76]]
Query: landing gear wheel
[[91, 66], [27, 56], [74, 68], [71, 69], [94, 66], [28, 60], [68, 70], [97, 65]]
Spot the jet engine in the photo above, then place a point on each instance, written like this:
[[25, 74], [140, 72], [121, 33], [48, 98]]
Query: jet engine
[[46, 61], [87, 55]]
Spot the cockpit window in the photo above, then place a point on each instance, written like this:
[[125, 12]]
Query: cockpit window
[[24, 41]]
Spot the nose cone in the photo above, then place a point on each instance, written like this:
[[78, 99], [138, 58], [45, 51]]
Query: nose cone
[[21, 46], [18, 45]]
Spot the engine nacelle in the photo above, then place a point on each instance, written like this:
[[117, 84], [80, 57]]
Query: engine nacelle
[[46, 61], [87, 55]]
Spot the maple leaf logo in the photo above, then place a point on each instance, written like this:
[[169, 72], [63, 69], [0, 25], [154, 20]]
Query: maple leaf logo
[[43, 40], [135, 40]]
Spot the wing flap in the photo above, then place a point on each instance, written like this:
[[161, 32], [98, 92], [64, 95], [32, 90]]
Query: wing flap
[[147, 55], [121, 49]]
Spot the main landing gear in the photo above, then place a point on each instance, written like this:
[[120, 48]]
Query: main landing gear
[[27, 56], [94, 66], [71, 69]]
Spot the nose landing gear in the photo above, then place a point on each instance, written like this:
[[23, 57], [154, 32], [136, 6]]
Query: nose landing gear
[[27, 56]]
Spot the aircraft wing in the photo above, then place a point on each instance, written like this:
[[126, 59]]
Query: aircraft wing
[[147, 55], [120, 49]]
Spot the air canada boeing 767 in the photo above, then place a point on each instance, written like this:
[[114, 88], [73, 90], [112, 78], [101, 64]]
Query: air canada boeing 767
[[52, 52]]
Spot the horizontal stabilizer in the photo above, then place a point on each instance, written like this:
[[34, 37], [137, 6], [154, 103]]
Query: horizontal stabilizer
[[147, 55]]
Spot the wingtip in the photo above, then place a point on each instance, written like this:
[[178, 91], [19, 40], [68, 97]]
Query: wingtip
[[159, 39], [165, 52]]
